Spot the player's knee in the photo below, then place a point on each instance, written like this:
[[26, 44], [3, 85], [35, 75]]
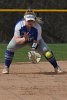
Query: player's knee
[[10, 48], [48, 54]]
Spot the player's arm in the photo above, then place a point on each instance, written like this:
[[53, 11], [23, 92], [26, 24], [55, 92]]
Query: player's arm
[[37, 36], [35, 41], [34, 45], [21, 40], [34, 56], [18, 38]]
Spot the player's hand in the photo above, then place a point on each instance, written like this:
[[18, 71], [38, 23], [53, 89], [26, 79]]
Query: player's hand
[[26, 36]]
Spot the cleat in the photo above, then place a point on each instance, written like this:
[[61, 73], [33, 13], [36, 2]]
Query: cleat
[[5, 70], [58, 70]]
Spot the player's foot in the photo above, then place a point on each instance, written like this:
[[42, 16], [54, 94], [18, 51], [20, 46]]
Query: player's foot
[[58, 70], [5, 70]]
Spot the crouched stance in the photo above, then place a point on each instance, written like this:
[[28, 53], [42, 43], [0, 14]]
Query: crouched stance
[[28, 31]]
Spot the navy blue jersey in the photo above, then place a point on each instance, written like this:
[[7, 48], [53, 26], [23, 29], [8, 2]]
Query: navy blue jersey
[[33, 33]]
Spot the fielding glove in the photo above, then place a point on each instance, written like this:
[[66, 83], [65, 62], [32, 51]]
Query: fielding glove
[[34, 56]]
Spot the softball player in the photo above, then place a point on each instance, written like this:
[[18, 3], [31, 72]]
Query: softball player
[[28, 31]]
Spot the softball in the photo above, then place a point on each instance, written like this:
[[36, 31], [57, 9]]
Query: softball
[[48, 54]]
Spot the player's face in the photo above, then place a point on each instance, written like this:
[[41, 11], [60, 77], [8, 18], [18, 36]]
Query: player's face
[[29, 23]]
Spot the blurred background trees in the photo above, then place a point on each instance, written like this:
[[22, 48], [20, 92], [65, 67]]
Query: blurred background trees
[[54, 24]]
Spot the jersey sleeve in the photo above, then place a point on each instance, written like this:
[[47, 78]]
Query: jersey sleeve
[[17, 28]]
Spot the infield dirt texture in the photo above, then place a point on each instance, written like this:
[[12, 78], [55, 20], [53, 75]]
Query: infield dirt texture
[[28, 81]]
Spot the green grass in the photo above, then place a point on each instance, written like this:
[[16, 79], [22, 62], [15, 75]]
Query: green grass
[[60, 51]]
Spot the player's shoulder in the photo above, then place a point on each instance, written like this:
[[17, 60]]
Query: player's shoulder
[[37, 25], [21, 22]]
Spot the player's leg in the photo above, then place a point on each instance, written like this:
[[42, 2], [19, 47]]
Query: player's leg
[[9, 54], [45, 50]]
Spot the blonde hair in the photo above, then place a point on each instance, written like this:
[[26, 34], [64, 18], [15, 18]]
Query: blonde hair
[[31, 12]]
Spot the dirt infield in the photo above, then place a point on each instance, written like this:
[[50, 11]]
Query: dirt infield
[[28, 81]]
